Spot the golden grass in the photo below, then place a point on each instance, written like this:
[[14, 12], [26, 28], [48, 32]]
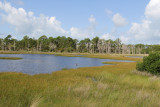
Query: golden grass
[[103, 56], [109, 85]]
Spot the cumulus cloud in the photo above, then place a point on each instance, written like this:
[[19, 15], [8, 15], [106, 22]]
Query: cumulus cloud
[[81, 33], [148, 31], [88, 32], [26, 23], [113, 36], [153, 10], [108, 36], [118, 20]]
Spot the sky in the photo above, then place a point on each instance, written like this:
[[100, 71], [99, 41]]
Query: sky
[[133, 21]]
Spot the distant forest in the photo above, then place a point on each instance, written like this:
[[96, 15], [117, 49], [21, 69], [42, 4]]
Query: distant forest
[[67, 44]]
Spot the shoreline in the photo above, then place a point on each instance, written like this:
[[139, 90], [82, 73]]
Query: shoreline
[[100, 56]]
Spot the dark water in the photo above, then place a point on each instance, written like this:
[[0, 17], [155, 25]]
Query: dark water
[[38, 63]]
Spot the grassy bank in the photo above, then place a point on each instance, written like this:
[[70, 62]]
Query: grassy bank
[[10, 58], [25, 52], [109, 85], [103, 56]]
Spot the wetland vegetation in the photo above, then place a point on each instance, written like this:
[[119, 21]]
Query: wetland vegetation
[[108, 85], [114, 84]]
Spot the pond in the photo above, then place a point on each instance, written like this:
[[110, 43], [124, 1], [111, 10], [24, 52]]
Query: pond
[[41, 63]]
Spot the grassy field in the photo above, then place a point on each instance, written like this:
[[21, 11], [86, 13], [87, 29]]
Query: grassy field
[[109, 85]]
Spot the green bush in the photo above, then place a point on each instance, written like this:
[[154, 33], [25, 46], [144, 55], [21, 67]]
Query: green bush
[[140, 66], [155, 67], [150, 64]]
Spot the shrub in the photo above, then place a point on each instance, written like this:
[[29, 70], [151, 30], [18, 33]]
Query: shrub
[[155, 67], [140, 66], [150, 63]]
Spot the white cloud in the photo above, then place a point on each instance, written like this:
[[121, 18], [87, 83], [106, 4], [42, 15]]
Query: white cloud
[[118, 20], [107, 36], [140, 30], [88, 32], [26, 23], [153, 10], [83, 33], [148, 31], [92, 19], [80, 33], [124, 39], [109, 12]]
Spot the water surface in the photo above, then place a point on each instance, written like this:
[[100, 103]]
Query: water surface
[[41, 63]]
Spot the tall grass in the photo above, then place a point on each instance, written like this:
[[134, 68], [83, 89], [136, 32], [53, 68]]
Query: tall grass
[[108, 85]]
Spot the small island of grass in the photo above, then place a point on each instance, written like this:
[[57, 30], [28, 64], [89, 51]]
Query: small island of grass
[[10, 58]]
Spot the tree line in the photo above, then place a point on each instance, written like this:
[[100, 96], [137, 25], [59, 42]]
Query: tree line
[[68, 44]]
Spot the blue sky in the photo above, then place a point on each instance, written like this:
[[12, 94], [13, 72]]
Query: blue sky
[[76, 12], [132, 21]]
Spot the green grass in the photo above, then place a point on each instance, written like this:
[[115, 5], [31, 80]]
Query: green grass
[[109, 85], [10, 58]]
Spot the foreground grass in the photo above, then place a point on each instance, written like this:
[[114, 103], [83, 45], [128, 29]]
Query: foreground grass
[[10, 58], [109, 85]]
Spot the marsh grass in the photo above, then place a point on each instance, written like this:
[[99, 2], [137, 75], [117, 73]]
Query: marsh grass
[[66, 68], [109, 85], [10, 58], [103, 56], [36, 101]]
